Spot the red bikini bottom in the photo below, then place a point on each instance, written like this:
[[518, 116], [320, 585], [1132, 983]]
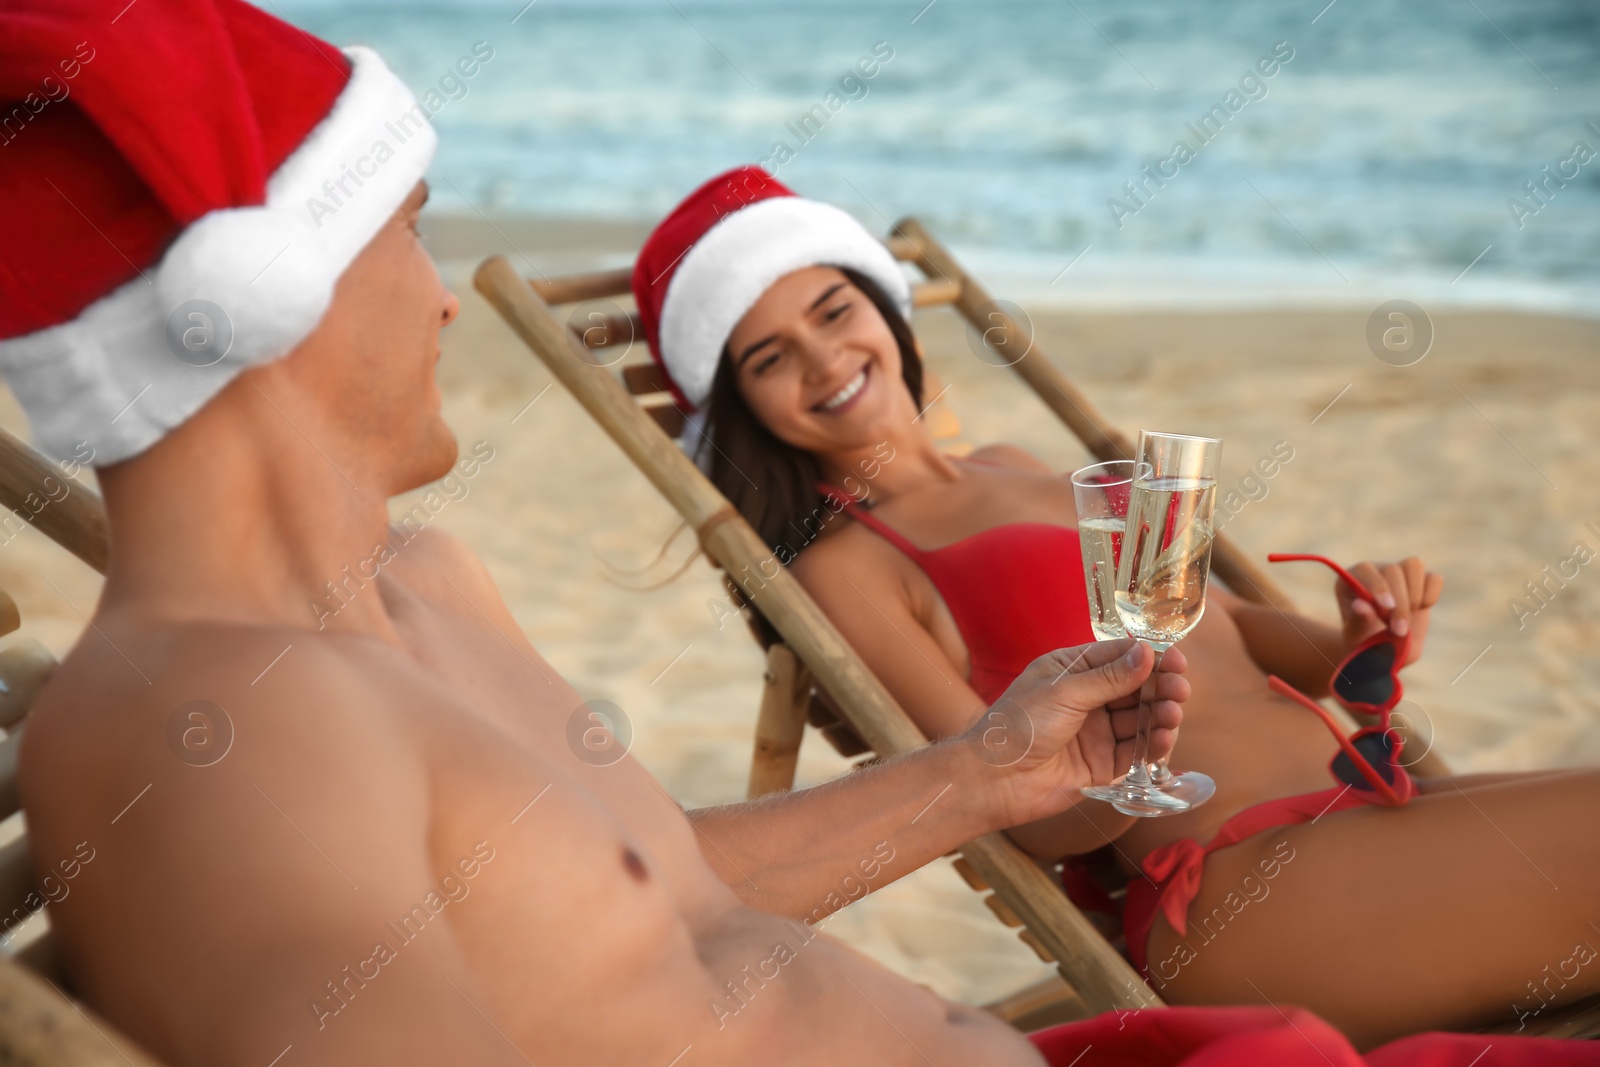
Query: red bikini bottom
[[1172, 872], [1290, 1037]]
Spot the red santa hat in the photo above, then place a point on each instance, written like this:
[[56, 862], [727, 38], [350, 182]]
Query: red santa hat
[[713, 257], [184, 182]]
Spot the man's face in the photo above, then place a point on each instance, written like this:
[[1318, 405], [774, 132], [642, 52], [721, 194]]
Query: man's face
[[368, 368]]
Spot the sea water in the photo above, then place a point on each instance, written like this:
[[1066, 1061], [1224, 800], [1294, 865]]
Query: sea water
[[1383, 160]]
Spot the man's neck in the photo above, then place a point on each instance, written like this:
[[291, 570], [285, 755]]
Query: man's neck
[[241, 515]]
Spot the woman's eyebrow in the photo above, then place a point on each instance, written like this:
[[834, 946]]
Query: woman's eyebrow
[[818, 302], [753, 349]]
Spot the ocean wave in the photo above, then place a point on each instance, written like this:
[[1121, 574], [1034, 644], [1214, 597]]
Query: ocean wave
[[1388, 148]]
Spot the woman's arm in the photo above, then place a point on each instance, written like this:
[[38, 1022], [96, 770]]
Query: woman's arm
[[1300, 650], [865, 589], [1305, 653]]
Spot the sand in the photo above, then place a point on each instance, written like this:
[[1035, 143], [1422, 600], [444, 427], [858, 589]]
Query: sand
[[1478, 458]]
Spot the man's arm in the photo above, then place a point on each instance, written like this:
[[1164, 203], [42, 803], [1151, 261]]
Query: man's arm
[[1066, 722], [867, 598]]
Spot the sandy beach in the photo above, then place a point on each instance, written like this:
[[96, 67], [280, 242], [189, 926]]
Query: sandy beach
[[1479, 458]]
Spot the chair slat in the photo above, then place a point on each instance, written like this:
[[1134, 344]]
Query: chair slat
[[42, 956], [10, 617], [75, 521], [667, 417], [603, 331], [642, 379], [10, 797], [25, 666], [16, 883], [600, 284], [575, 287], [931, 294], [41, 1028], [1579, 1021], [1001, 911]]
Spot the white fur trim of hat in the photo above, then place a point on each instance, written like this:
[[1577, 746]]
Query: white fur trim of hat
[[111, 379], [739, 258]]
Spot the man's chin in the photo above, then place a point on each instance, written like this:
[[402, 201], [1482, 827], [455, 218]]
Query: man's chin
[[433, 457]]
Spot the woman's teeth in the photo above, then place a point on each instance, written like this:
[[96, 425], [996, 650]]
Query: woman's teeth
[[850, 389]]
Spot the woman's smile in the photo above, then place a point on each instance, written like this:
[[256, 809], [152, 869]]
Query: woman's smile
[[847, 395]]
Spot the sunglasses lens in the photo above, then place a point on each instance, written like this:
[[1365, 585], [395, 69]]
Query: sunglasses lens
[[1368, 676], [1377, 748]]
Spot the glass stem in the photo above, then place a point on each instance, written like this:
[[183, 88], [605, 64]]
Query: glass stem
[[1140, 773]]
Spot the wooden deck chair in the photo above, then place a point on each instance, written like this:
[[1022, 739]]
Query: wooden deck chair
[[812, 674], [40, 1024]]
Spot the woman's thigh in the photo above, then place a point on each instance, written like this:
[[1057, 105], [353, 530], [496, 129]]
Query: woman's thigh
[[1467, 905]]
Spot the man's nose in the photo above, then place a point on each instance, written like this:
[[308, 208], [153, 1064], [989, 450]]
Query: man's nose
[[452, 308]]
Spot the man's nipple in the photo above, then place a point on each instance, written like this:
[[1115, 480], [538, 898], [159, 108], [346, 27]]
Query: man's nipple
[[634, 865]]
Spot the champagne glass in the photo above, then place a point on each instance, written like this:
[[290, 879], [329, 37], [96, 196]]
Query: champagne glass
[[1101, 492], [1160, 591]]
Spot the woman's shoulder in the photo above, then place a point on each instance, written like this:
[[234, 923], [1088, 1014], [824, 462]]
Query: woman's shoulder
[[847, 552]]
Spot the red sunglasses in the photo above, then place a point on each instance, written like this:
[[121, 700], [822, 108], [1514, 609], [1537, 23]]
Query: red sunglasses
[[1367, 682]]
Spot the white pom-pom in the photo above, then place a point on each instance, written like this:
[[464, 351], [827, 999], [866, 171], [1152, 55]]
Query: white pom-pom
[[266, 272]]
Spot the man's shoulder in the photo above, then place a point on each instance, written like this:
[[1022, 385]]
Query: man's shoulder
[[429, 560], [130, 699]]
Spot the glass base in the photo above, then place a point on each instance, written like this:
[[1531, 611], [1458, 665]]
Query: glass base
[[1178, 793]]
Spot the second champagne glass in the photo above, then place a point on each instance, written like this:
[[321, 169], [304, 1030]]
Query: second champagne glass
[[1162, 568]]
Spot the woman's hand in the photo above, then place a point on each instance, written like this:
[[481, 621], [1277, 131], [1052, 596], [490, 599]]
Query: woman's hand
[[1069, 721], [1406, 588]]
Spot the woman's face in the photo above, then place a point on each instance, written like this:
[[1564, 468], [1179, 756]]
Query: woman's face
[[818, 365]]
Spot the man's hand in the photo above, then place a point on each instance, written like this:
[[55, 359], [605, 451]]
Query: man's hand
[[1406, 588], [1069, 721]]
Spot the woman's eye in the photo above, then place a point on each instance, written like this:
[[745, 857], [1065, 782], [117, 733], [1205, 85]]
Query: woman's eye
[[834, 313], [765, 363]]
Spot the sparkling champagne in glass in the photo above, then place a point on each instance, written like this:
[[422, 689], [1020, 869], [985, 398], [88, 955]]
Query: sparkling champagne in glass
[[1100, 492], [1160, 594]]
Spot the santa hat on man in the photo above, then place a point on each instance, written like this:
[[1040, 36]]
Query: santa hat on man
[[711, 260], [184, 182]]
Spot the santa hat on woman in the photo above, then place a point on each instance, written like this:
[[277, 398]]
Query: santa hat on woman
[[184, 182], [711, 260]]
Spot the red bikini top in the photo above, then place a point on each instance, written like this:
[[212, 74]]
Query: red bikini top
[[1016, 591]]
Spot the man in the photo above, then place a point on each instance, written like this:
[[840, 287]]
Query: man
[[364, 836]]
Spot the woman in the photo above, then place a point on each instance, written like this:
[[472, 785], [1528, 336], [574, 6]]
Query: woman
[[783, 323]]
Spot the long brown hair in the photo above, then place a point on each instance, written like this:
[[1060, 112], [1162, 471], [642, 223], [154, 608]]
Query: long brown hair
[[772, 483]]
